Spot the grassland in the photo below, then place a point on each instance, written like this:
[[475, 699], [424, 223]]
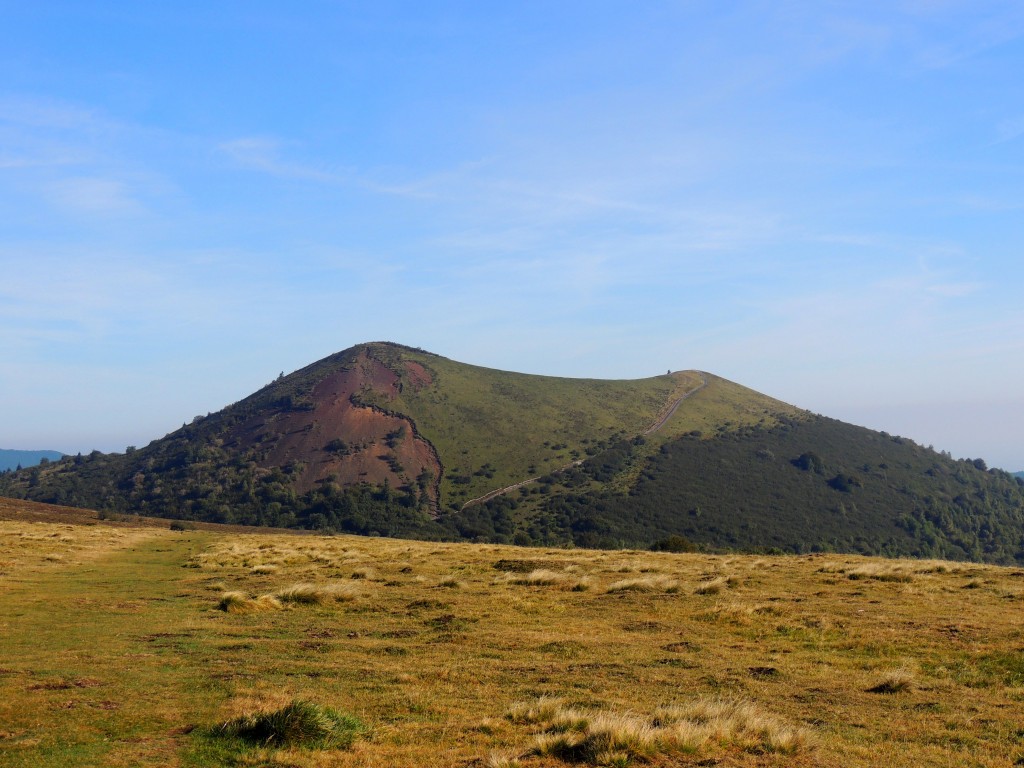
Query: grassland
[[495, 428], [122, 646]]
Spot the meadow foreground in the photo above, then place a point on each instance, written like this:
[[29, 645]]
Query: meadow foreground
[[144, 646]]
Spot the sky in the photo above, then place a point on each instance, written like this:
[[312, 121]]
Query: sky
[[823, 201]]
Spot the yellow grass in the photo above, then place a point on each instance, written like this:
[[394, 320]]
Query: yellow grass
[[670, 659]]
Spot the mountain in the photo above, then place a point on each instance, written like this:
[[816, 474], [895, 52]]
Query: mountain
[[389, 440], [10, 459]]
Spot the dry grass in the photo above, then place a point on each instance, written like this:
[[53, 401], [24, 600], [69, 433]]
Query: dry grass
[[239, 602], [895, 681], [303, 593], [777, 667], [712, 586], [645, 584], [701, 727]]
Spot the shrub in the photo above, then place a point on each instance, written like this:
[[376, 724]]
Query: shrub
[[674, 543]]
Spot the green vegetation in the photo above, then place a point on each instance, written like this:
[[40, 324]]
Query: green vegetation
[[730, 470], [11, 459], [805, 485], [298, 723]]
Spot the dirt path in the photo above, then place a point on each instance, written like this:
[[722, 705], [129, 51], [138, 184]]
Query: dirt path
[[658, 424], [98, 661], [675, 406]]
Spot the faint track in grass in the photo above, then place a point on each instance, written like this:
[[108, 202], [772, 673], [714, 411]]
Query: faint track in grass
[[658, 424], [675, 406]]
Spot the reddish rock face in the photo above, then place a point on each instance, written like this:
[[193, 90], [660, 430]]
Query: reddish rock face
[[341, 442]]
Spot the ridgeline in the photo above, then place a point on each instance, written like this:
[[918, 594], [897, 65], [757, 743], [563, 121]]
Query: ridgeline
[[387, 440]]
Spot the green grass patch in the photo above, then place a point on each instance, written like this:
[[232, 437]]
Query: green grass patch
[[297, 724]]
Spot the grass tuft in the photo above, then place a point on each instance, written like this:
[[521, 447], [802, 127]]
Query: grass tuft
[[712, 586], [297, 724], [305, 594], [313, 594], [617, 738], [502, 760], [896, 681], [644, 584], [239, 602], [539, 577]]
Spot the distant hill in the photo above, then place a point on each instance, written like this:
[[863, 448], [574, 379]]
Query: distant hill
[[10, 459], [388, 440]]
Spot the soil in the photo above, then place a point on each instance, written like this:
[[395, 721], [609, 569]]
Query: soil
[[371, 445]]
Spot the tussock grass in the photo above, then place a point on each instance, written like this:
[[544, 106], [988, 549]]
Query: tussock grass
[[712, 586], [894, 681], [239, 602], [304, 593], [880, 572], [645, 584], [620, 738], [544, 709], [299, 723], [503, 759], [539, 577], [544, 577]]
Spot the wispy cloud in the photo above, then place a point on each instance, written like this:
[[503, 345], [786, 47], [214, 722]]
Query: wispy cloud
[[262, 153], [93, 196]]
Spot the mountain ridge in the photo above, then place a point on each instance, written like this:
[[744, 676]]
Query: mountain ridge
[[392, 440]]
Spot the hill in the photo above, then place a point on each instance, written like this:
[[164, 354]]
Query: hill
[[11, 459], [384, 439], [438, 655]]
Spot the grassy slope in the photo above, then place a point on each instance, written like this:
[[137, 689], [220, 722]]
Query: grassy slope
[[439, 645], [479, 417]]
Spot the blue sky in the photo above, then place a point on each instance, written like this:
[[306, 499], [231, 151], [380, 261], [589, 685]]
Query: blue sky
[[823, 201]]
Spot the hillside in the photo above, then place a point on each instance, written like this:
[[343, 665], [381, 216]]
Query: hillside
[[12, 459], [441, 655], [384, 439]]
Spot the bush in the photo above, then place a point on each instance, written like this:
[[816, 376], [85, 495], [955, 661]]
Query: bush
[[674, 543], [182, 525]]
